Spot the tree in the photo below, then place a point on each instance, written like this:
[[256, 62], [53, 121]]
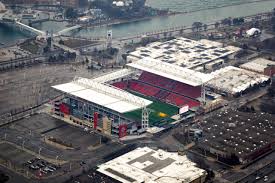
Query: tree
[[61, 42], [205, 26], [217, 24], [70, 13], [197, 26], [227, 21]]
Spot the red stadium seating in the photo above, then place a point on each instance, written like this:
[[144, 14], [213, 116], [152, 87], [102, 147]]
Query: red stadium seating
[[122, 85], [187, 90], [143, 88], [156, 80], [168, 84], [181, 101], [162, 89]]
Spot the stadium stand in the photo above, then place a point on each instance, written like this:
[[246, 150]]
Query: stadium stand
[[143, 88], [181, 100], [157, 80], [122, 85], [157, 93], [168, 84], [184, 89]]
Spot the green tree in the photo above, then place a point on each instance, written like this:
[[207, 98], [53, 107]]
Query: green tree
[[70, 13]]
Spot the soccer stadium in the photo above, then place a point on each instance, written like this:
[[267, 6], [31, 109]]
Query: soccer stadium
[[148, 93]]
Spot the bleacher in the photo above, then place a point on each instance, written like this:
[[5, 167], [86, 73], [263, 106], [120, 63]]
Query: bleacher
[[168, 84], [163, 89], [122, 85], [179, 100], [186, 90], [143, 88], [157, 80]]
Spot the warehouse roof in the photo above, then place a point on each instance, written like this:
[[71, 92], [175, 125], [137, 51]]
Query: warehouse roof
[[238, 132], [257, 65], [234, 80], [183, 52], [154, 166], [171, 71], [103, 94]]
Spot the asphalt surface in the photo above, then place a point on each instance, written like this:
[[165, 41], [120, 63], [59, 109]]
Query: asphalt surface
[[27, 87]]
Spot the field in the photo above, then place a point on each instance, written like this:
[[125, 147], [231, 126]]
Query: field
[[160, 113]]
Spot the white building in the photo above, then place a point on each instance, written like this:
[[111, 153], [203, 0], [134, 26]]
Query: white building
[[232, 80], [184, 52], [152, 166], [258, 65]]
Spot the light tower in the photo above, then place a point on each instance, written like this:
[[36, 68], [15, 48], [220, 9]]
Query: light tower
[[109, 38]]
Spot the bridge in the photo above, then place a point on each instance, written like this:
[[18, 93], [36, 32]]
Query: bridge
[[76, 27], [30, 29]]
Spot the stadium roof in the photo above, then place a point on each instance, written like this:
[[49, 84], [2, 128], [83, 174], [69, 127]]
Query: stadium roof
[[114, 75], [102, 94], [171, 71], [148, 165]]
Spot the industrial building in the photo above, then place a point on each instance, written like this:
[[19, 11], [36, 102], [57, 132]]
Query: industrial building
[[154, 166], [186, 53], [233, 81], [238, 137], [261, 66]]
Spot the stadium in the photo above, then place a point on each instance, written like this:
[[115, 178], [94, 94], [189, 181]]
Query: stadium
[[148, 93]]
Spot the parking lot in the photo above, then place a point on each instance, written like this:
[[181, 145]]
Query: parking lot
[[41, 167], [13, 154], [27, 87]]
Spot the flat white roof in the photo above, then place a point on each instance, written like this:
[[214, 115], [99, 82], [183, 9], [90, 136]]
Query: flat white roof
[[235, 80], [171, 71], [154, 166], [184, 52], [114, 75], [104, 95], [257, 65]]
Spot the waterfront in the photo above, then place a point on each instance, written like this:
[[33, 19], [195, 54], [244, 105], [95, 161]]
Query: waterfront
[[207, 15]]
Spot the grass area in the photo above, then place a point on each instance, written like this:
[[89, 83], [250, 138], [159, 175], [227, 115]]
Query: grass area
[[30, 47], [74, 43], [160, 112]]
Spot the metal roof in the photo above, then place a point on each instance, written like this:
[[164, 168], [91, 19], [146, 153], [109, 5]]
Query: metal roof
[[102, 94], [171, 71], [154, 166]]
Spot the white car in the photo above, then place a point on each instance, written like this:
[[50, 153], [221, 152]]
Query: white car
[[253, 32]]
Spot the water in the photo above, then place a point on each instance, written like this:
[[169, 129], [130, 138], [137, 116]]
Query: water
[[9, 35], [51, 26], [205, 16], [199, 11], [193, 5]]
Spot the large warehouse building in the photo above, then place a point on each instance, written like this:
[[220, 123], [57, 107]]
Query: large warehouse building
[[148, 165], [186, 53], [233, 81], [238, 137]]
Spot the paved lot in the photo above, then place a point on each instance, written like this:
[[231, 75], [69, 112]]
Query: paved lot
[[29, 86], [13, 154], [76, 136], [39, 123]]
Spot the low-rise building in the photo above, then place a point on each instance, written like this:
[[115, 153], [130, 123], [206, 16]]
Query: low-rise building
[[260, 65], [153, 166], [238, 137], [186, 53]]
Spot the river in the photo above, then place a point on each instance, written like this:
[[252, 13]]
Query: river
[[199, 10]]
